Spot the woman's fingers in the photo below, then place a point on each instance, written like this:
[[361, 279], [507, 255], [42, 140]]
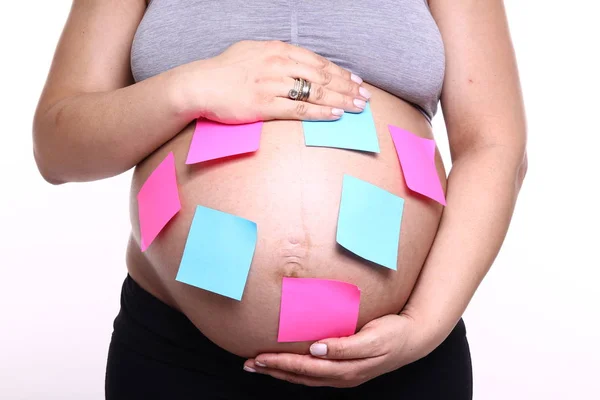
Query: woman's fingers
[[313, 371], [372, 341], [322, 76], [284, 108], [324, 96], [331, 81], [333, 89], [289, 377]]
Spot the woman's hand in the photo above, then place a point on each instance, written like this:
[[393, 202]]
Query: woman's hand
[[250, 82], [383, 345]]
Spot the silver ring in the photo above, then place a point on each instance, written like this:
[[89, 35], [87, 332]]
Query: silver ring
[[305, 92], [294, 93], [301, 89]]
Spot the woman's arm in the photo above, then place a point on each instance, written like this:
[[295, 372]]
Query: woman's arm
[[485, 120], [91, 122]]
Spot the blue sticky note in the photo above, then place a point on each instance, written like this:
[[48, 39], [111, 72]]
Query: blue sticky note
[[351, 131], [369, 221], [218, 252]]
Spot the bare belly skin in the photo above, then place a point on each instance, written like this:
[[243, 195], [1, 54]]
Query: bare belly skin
[[293, 193]]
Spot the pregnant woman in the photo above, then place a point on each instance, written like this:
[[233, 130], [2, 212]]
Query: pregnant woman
[[130, 78]]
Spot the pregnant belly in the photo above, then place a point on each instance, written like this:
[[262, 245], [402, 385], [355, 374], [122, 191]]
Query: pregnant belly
[[293, 194]]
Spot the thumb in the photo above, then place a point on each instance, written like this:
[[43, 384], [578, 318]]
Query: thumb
[[364, 344]]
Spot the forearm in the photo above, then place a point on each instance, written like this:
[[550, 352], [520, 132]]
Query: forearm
[[482, 190], [91, 136]]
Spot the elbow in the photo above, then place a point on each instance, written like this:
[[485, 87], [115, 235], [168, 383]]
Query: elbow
[[46, 171], [59, 161], [42, 154]]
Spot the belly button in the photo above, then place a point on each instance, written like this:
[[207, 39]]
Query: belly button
[[292, 269]]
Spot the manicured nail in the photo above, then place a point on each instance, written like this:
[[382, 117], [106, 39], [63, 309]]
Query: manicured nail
[[260, 364], [318, 349], [364, 93], [248, 369], [356, 78], [337, 111], [360, 104]]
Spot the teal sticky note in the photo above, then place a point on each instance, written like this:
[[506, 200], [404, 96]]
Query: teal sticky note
[[218, 252], [351, 131], [369, 221]]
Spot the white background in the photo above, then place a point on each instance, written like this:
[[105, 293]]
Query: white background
[[533, 325]]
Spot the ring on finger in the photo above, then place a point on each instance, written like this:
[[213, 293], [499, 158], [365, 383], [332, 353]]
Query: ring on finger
[[294, 93], [305, 92], [301, 90]]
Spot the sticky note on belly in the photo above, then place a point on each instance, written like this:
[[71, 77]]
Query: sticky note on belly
[[158, 201], [218, 252], [315, 309], [417, 159], [369, 221], [213, 140], [351, 131]]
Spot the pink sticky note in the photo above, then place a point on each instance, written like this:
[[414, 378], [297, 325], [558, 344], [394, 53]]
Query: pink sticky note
[[417, 158], [315, 309], [213, 140], [158, 200]]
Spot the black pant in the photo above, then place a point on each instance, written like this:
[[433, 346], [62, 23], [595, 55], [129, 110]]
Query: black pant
[[157, 353]]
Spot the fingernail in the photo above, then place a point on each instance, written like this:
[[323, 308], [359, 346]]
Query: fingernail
[[337, 111], [260, 364], [356, 78], [360, 104], [248, 369], [318, 349], [364, 92]]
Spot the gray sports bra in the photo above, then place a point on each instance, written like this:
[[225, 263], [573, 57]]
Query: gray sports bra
[[394, 45]]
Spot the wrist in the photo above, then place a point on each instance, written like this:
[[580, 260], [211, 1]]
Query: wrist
[[187, 91], [430, 329]]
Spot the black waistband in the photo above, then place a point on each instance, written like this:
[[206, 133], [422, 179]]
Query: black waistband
[[152, 341]]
